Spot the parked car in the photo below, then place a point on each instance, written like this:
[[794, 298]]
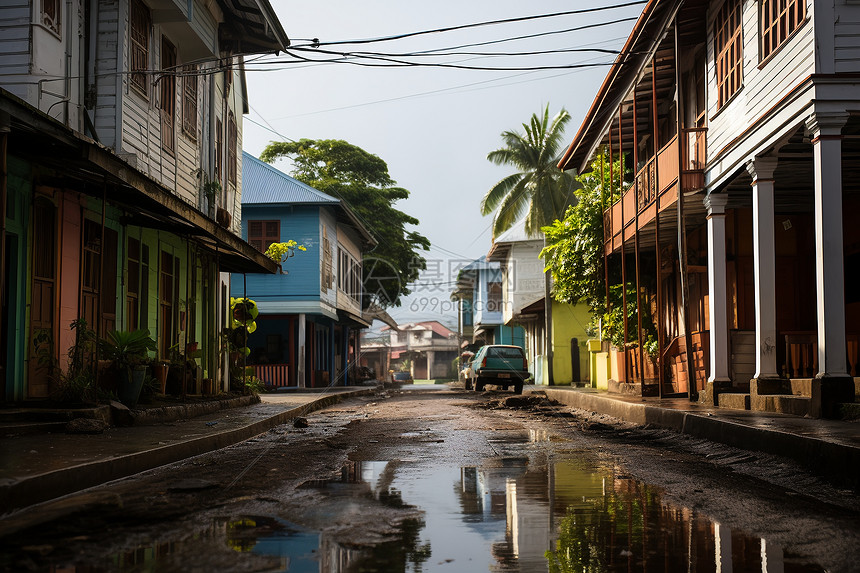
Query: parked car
[[401, 378], [499, 365]]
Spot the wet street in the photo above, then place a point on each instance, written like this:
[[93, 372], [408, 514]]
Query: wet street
[[431, 478]]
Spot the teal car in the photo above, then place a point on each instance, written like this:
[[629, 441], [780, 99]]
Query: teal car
[[499, 365]]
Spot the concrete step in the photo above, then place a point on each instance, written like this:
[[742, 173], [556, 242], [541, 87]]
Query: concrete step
[[781, 403], [734, 400], [27, 415]]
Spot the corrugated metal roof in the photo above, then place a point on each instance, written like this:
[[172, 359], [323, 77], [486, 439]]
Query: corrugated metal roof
[[262, 183]]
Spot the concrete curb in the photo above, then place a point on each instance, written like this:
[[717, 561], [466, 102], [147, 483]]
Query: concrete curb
[[50, 485], [834, 459], [150, 416]]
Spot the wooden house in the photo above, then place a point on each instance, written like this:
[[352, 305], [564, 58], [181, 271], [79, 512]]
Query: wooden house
[[311, 313], [732, 221], [121, 183]]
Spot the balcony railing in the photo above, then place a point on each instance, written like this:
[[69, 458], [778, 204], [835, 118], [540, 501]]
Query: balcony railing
[[659, 178]]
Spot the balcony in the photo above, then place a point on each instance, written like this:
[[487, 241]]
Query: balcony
[[655, 187]]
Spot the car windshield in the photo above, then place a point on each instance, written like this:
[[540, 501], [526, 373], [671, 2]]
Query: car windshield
[[503, 352]]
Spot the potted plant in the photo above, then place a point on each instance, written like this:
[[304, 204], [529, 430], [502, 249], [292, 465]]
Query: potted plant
[[129, 351]]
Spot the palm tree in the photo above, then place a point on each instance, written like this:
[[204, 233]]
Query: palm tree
[[539, 189]]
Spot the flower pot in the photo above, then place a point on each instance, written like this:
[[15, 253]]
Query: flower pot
[[130, 385]]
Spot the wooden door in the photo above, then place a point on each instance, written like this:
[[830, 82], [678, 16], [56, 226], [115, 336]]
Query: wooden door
[[42, 302]]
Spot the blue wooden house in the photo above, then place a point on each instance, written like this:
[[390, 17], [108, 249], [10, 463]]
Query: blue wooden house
[[310, 315]]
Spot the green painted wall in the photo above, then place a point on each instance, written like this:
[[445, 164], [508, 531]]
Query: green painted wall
[[19, 188], [568, 322]]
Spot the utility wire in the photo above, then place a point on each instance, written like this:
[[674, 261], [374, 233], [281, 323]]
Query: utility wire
[[315, 43]]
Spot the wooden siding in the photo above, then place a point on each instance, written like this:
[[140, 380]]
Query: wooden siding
[[347, 239], [106, 69], [302, 281], [764, 83], [847, 37], [329, 223], [15, 41]]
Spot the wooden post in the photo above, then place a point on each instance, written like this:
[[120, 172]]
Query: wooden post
[[623, 240], [636, 243], [660, 330]]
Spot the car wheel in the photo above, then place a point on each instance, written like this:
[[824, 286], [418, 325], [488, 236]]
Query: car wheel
[[479, 385], [518, 388]]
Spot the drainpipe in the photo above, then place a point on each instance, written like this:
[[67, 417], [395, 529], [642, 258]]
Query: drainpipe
[[548, 317]]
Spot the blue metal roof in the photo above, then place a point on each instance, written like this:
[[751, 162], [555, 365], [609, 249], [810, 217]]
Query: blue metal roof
[[262, 183]]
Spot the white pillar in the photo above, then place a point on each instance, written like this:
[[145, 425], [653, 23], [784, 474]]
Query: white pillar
[[300, 369], [717, 291], [722, 548], [431, 359], [761, 169], [772, 558], [826, 132]]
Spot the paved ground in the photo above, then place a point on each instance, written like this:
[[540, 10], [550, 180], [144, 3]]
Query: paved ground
[[35, 468]]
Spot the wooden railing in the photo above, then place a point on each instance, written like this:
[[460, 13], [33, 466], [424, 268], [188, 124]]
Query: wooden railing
[[658, 176], [801, 354], [273, 374]]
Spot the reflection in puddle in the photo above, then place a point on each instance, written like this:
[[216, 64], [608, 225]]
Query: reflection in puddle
[[506, 514]]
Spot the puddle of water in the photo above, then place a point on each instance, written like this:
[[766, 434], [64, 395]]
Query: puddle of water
[[505, 515]]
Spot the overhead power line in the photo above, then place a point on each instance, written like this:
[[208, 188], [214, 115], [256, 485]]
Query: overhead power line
[[315, 43]]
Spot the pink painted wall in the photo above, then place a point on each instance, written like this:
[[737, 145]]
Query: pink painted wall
[[70, 272]]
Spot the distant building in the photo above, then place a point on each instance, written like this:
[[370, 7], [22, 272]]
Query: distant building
[[310, 316], [428, 349], [523, 305]]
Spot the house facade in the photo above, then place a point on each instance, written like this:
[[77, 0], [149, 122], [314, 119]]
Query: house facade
[[121, 138], [479, 292], [523, 305], [311, 313], [730, 222], [430, 348]]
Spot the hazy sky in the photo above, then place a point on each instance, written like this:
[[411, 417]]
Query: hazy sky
[[433, 126]]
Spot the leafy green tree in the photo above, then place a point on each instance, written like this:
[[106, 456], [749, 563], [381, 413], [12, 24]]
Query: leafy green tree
[[361, 180], [574, 255], [539, 189]]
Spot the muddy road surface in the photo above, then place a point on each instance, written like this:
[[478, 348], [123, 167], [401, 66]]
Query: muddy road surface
[[440, 479]]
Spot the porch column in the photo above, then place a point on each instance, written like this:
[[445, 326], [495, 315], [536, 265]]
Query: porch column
[[431, 359], [300, 368], [718, 297], [761, 169], [826, 132]]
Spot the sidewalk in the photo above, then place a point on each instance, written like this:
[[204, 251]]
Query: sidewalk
[[830, 447], [38, 467]]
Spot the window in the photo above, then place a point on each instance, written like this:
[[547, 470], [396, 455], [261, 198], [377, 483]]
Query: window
[[232, 142], [261, 234], [168, 94], [494, 297], [140, 24], [728, 46], [189, 102], [327, 274], [132, 297], [51, 11], [778, 20]]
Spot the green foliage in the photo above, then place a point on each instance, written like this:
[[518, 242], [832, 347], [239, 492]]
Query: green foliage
[[127, 349], [280, 252], [361, 180], [574, 256], [78, 383], [254, 385], [539, 189], [243, 313]]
